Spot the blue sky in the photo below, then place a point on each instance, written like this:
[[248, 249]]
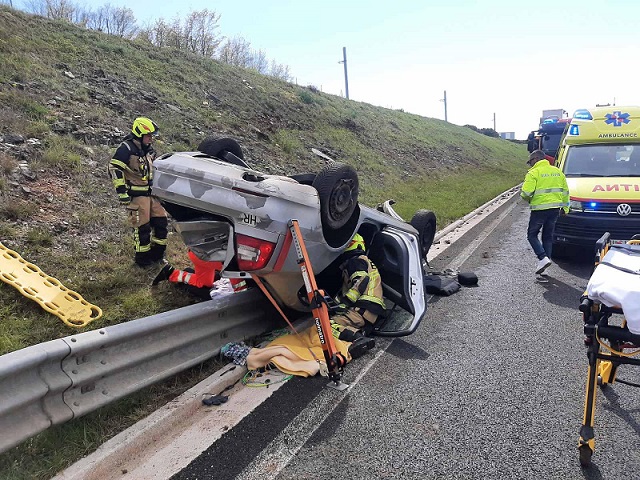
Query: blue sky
[[507, 58]]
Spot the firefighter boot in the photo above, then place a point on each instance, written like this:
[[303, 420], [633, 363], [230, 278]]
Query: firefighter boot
[[157, 252], [143, 259], [163, 274]]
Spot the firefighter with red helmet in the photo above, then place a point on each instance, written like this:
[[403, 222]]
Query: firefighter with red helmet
[[131, 171]]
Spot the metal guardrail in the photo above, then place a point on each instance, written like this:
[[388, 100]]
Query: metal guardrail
[[507, 194], [53, 382]]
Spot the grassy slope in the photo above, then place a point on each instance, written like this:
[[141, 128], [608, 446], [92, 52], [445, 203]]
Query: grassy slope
[[69, 223]]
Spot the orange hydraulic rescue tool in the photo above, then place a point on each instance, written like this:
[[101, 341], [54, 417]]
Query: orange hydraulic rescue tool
[[334, 359]]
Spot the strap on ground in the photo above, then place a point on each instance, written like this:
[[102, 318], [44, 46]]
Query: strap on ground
[[54, 297]]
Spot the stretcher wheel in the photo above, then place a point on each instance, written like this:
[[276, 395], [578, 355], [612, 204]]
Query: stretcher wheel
[[585, 455], [601, 384]]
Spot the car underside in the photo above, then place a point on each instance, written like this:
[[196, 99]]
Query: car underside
[[228, 212]]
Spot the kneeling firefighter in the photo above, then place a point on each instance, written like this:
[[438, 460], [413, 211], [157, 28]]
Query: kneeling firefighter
[[360, 300], [131, 170]]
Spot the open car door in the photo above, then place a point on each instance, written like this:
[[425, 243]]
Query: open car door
[[397, 256]]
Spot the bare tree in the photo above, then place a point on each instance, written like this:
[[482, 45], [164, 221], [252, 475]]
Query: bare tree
[[57, 9], [122, 22], [258, 61], [157, 34], [174, 37], [200, 32], [118, 21], [61, 9], [281, 71], [235, 51]]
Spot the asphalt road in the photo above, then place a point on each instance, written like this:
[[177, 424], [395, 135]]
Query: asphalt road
[[490, 386]]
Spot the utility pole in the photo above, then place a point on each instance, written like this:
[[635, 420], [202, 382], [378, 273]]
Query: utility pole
[[494, 122], [445, 105], [346, 78]]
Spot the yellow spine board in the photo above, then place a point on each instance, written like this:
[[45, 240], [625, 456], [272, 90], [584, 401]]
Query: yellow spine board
[[54, 297]]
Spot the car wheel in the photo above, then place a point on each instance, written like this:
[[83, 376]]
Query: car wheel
[[218, 147], [424, 221], [337, 186]]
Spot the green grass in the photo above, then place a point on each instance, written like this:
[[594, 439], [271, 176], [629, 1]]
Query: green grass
[[454, 195], [20, 210], [62, 152], [39, 236], [288, 141]]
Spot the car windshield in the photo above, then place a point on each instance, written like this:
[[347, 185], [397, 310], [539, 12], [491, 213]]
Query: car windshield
[[618, 160]]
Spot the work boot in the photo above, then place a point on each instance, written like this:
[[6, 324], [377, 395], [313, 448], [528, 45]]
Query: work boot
[[143, 259], [156, 254], [163, 274], [543, 264], [361, 345]]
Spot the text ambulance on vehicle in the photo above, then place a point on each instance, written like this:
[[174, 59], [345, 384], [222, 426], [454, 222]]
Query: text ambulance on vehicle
[[600, 156]]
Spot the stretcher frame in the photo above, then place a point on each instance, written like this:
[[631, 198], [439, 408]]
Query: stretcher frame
[[603, 359]]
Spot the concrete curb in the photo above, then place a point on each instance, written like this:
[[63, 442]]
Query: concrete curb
[[114, 453]]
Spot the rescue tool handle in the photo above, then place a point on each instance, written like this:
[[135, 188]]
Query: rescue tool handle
[[319, 307]]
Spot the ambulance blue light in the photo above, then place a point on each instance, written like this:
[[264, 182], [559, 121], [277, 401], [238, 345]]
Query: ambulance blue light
[[583, 115], [574, 130], [593, 204]]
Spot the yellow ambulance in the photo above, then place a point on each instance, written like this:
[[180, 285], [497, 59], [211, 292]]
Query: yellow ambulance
[[600, 156]]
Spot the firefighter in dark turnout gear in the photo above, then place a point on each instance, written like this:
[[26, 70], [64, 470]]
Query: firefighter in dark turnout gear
[[360, 300], [131, 170]]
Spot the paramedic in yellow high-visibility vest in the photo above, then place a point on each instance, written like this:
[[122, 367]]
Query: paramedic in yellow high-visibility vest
[[545, 188]]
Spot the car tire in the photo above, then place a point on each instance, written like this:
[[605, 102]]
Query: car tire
[[304, 178], [217, 147], [337, 186], [424, 221]]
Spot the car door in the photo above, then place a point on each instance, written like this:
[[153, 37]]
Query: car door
[[396, 254]]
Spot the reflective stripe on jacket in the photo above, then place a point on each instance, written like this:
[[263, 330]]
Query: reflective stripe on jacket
[[131, 169], [362, 285], [545, 187]]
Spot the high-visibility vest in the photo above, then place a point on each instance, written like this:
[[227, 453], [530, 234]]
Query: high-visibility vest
[[545, 187]]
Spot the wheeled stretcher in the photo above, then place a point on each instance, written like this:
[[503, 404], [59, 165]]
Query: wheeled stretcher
[[611, 313]]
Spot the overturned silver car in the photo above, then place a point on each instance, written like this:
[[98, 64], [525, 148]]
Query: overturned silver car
[[226, 211]]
